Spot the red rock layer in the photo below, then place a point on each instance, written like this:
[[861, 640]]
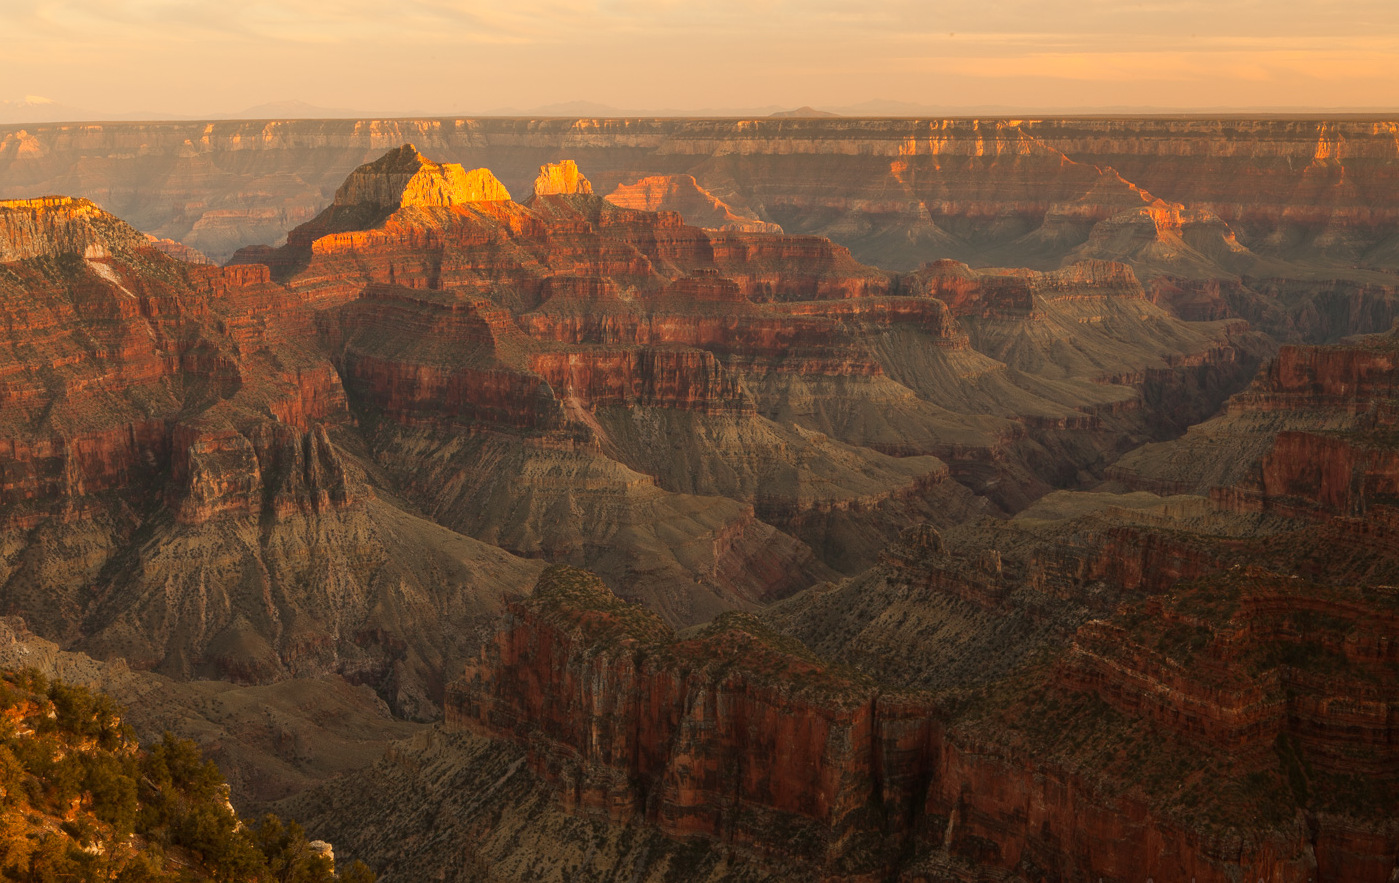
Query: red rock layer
[[741, 736], [109, 338], [54, 225], [1340, 378], [723, 735], [689, 380], [276, 468], [577, 271], [1008, 294], [605, 276], [1334, 473], [683, 195], [1332, 446]]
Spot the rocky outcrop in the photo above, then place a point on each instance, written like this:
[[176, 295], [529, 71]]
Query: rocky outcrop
[[739, 736], [1335, 474], [683, 195], [730, 735], [189, 406], [1319, 687], [1315, 425], [277, 469], [403, 178], [1347, 379], [562, 179], [690, 380], [58, 225]]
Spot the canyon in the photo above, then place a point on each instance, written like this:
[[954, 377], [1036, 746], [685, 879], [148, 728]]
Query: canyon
[[752, 500], [1286, 222]]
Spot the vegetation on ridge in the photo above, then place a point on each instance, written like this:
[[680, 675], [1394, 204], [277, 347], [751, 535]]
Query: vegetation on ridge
[[80, 800]]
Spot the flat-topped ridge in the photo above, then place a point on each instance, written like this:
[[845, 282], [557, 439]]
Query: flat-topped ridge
[[53, 225], [562, 179], [41, 203]]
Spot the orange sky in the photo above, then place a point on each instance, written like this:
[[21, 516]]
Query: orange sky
[[460, 56]]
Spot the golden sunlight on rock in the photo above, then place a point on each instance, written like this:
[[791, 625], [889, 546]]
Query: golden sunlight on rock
[[403, 177], [561, 179]]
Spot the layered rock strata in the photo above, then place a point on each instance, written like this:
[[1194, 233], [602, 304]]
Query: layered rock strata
[[740, 413], [1314, 429], [173, 486], [627, 331], [1285, 222], [739, 736]]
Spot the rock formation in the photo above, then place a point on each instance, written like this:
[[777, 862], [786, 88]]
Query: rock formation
[[742, 737], [1282, 222], [629, 334], [403, 178], [1307, 427], [1064, 653], [683, 194], [562, 179], [741, 413], [188, 406]]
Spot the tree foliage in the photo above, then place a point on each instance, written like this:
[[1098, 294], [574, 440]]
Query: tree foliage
[[80, 800]]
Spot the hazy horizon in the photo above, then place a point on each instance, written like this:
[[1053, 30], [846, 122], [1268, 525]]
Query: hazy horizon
[[45, 112], [197, 59]]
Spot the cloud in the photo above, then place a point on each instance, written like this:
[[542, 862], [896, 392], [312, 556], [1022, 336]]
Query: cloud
[[214, 54]]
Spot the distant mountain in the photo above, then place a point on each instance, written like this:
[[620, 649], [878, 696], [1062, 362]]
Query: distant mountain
[[578, 108], [804, 112], [596, 109], [37, 109], [294, 110]]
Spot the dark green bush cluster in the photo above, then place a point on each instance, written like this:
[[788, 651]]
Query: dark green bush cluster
[[79, 800]]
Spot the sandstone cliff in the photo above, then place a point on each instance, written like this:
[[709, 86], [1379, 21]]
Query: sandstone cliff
[[1315, 424], [1277, 221], [741, 737], [562, 179], [189, 406], [324, 459], [631, 332]]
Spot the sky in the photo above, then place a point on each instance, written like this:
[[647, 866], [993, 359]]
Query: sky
[[205, 57]]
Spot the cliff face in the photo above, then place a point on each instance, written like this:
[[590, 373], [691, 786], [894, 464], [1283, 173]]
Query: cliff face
[[683, 194], [1262, 219], [740, 736], [404, 178], [615, 334], [58, 225], [731, 735], [189, 406], [326, 457], [1226, 694], [562, 179], [1313, 431], [1265, 663]]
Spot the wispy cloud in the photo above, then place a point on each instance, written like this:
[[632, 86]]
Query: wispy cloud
[[207, 53]]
